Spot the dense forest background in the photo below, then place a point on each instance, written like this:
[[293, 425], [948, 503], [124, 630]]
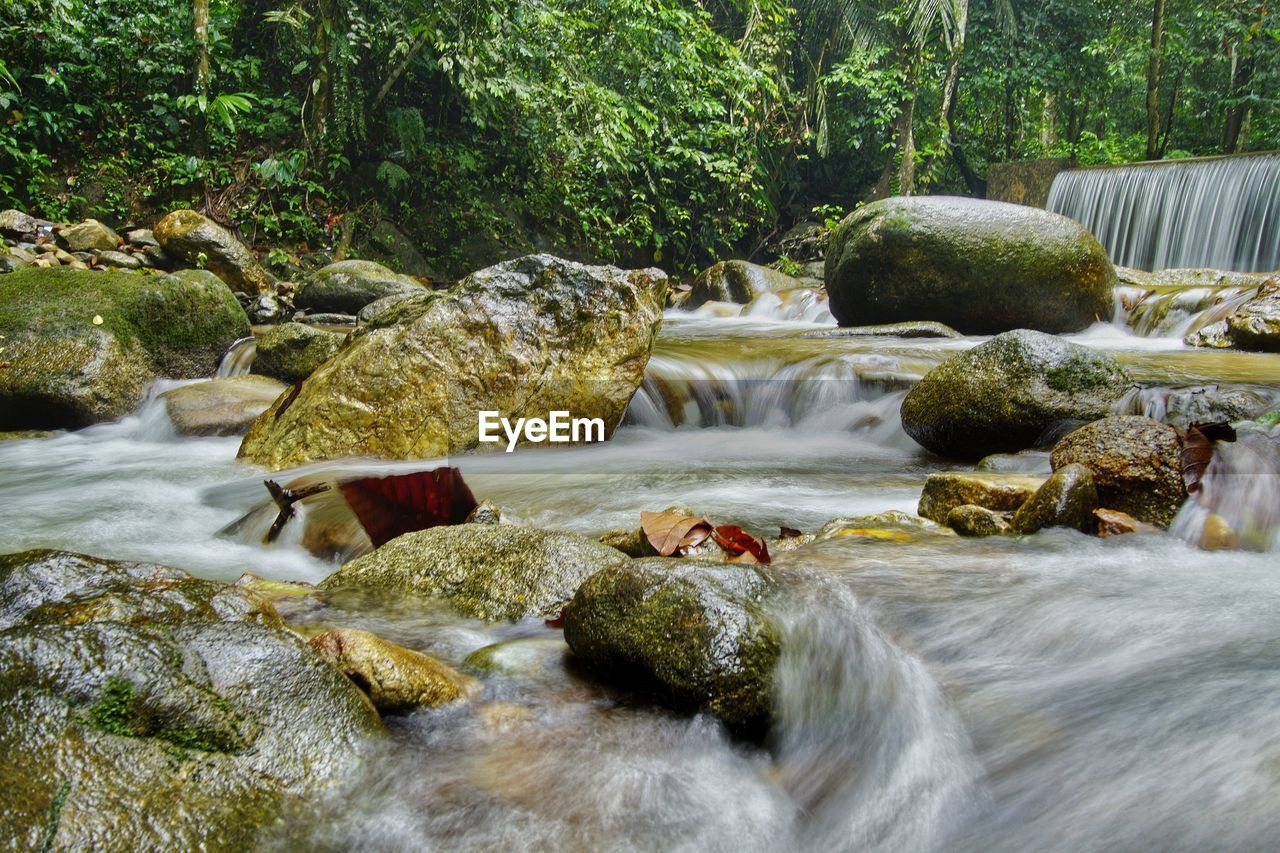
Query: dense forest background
[[666, 131]]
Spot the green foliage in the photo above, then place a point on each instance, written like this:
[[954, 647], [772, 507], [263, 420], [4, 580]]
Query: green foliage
[[628, 130]]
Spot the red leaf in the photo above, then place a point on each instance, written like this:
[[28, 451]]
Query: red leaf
[[671, 533], [391, 506], [557, 621], [737, 543]]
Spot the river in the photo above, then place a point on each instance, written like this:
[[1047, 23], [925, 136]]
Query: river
[[1051, 692]]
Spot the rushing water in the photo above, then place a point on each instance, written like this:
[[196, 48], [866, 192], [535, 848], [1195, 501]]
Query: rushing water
[[1220, 212], [1054, 692]]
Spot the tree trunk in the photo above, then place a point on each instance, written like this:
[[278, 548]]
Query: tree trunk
[[1049, 122], [1237, 113], [202, 83], [322, 90], [907, 148], [1154, 62]]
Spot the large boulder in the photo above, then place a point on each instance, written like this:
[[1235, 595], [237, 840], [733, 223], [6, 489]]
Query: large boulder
[[141, 706], [692, 632], [981, 267], [347, 286], [523, 338], [291, 352], [225, 406], [487, 571], [200, 242], [1004, 394], [88, 236], [736, 281], [82, 346], [1136, 464]]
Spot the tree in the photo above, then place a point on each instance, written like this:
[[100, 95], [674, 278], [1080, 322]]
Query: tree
[[1154, 62]]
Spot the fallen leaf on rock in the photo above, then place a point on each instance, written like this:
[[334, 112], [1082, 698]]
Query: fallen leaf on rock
[[739, 544], [672, 533], [388, 507], [1197, 450], [558, 620]]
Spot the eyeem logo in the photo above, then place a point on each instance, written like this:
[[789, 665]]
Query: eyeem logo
[[559, 428]]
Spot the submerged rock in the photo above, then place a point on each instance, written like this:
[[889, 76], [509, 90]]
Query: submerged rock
[[487, 571], [291, 352], [139, 703], [891, 526], [1067, 499], [919, 329], [693, 633], [200, 242], [1005, 394], [736, 281], [947, 490], [1136, 464], [82, 346], [396, 679], [346, 287], [224, 406], [523, 338], [1113, 522], [982, 267]]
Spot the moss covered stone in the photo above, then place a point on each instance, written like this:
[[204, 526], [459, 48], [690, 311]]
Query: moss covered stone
[[81, 346], [1004, 394], [202, 243], [489, 571], [694, 634], [396, 679], [982, 267], [347, 286], [1067, 499], [947, 490], [523, 338], [736, 281], [139, 703], [291, 352]]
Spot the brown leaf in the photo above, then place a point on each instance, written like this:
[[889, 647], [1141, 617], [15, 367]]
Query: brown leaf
[[737, 543], [1197, 450], [671, 533], [391, 506]]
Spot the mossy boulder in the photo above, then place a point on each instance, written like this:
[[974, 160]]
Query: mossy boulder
[[141, 706], [347, 286], [693, 634], [396, 679], [1005, 394], [225, 406], [291, 352], [1067, 499], [736, 281], [487, 571], [523, 338], [82, 346], [1136, 464], [200, 242], [982, 267], [946, 490], [88, 236]]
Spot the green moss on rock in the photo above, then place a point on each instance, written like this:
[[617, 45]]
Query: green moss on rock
[[65, 370], [982, 267]]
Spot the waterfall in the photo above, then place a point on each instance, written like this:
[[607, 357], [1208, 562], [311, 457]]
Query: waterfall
[[1221, 212]]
